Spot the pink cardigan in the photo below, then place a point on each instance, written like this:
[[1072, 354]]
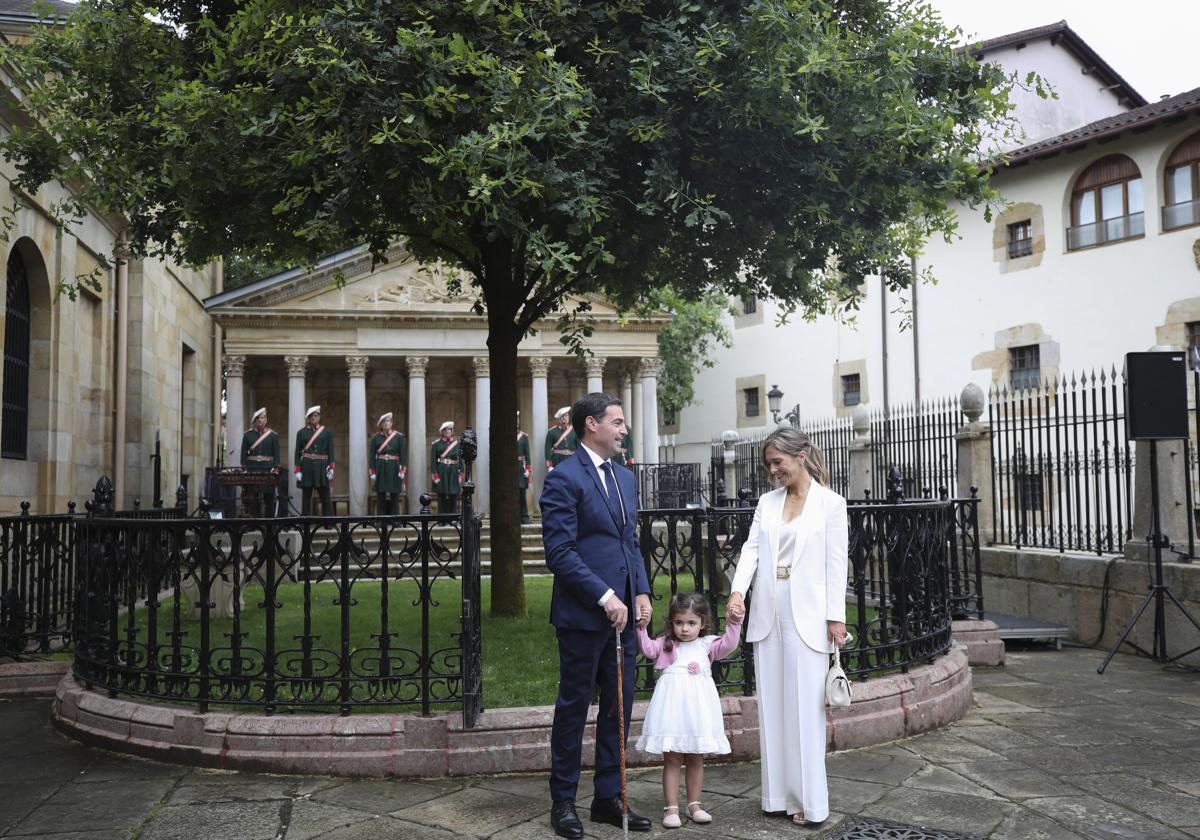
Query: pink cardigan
[[721, 646]]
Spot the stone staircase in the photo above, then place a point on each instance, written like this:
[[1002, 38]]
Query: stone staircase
[[532, 555]]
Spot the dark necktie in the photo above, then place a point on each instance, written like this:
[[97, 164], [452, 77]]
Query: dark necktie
[[610, 485]]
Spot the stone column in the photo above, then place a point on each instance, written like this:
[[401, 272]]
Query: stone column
[[235, 408], [974, 442], [483, 426], [297, 367], [626, 379], [650, 369], [357, 477], [539, 367], [729, 439], [418, 439], [1172, 501], [595, 373], [859, 455], [633, 411]]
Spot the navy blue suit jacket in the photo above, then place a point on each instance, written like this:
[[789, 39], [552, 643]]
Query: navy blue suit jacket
[[587, 548]]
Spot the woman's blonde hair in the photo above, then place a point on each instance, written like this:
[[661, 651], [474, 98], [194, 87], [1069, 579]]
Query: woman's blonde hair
[[792, 442]]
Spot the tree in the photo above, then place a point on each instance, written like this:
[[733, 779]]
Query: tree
[[782, 148], [686, 343]]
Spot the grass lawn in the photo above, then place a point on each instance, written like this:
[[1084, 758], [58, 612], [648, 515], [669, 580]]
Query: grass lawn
[[520, 656]]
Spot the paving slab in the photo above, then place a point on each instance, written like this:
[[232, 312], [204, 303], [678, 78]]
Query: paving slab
[[115, 805], [1014, 781], [869, 765], [1022, 825], [308, 819], [1153, 799], [936, 809], [215, 821], [1100, 819], [377, 796], [388, 828], [473, 811]]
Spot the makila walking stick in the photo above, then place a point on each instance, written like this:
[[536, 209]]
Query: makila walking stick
[[621, 734]]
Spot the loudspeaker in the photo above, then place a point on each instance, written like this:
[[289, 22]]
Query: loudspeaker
[[1156, 396]]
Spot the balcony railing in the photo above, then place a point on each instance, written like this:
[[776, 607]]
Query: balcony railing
[[1181, 215], [1108, 230]]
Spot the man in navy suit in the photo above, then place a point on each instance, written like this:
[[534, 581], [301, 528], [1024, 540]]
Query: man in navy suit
[[589, 529]]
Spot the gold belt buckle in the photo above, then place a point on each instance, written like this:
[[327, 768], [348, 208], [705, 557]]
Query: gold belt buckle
[[783, 572]]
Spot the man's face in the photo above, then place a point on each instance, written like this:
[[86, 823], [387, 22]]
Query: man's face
[[386, 425], [314, 419], [563, 421], [448, 432], [604, 435], [260, 422]]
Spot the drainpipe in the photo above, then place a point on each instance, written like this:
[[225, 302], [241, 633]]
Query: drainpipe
[[916, 337], [217, 336], [122, 373], [884, 331]]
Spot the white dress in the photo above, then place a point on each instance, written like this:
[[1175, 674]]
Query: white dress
[[685, 710]]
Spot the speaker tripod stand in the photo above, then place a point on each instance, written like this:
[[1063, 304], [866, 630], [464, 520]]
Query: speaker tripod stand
[[1159, 591]]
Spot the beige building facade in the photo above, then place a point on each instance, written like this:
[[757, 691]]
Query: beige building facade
[[89, 382]]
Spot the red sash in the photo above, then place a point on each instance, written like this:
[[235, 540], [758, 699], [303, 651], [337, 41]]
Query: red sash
[[449, 449], [313, 439], [561, 439], [386, 441], [261, 438]]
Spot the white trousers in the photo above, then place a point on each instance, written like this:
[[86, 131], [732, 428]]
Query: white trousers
[[790, 679]]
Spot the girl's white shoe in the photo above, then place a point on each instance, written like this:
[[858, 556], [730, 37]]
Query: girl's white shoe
[[698, 814], [671, 817]]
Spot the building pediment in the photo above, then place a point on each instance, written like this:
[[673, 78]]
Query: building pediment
[[346, 285]]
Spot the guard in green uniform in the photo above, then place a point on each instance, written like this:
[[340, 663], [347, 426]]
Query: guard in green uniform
[[561, 441], [446, 470], [314, 462], [260, 452], [625, 456], [524, 470], [389, 470]]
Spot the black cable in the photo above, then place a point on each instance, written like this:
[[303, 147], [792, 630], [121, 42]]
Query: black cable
[[1104, 591]]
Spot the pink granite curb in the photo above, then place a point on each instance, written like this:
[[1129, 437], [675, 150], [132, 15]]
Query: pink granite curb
[[502, 741], [32, 679], [983, 642]]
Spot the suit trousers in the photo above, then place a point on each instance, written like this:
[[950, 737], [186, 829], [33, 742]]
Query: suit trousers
[[587, 658], [791, 717]]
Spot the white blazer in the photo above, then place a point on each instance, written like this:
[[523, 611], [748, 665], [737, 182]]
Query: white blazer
[[818, 566]]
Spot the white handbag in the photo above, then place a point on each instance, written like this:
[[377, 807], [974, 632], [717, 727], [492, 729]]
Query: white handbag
[[837, 684]]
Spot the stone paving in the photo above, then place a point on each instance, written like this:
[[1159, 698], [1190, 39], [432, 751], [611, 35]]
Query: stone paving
[[1050, 751]]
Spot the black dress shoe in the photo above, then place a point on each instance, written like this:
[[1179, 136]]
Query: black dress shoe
[[564, 819], [609, 811]]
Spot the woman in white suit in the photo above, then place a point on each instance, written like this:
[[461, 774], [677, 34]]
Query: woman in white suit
[[795, 558]]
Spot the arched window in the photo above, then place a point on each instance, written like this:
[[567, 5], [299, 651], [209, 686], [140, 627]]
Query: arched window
[[1182, 187], [1106, 204], [14, 422]]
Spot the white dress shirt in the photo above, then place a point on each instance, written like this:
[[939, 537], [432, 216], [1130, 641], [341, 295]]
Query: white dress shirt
[[596, 462]]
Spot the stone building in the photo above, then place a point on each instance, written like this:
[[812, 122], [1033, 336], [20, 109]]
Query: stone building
[[88, 383], [360, 341]]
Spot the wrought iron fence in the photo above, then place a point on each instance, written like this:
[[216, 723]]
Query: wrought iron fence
[[1062, 474], [309, 613], [37, 583], [918, 440], [833, 435], [900, 584], [913, 567], [668, 485]]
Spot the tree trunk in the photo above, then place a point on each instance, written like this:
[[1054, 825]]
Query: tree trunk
[[508, 573]]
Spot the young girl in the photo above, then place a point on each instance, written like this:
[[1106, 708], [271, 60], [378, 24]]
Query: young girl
[[684, 720]]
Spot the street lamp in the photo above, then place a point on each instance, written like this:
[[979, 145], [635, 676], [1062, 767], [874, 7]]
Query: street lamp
[[774, 398]]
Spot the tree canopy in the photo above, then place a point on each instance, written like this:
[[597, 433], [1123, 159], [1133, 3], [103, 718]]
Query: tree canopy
[[783, 148]]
